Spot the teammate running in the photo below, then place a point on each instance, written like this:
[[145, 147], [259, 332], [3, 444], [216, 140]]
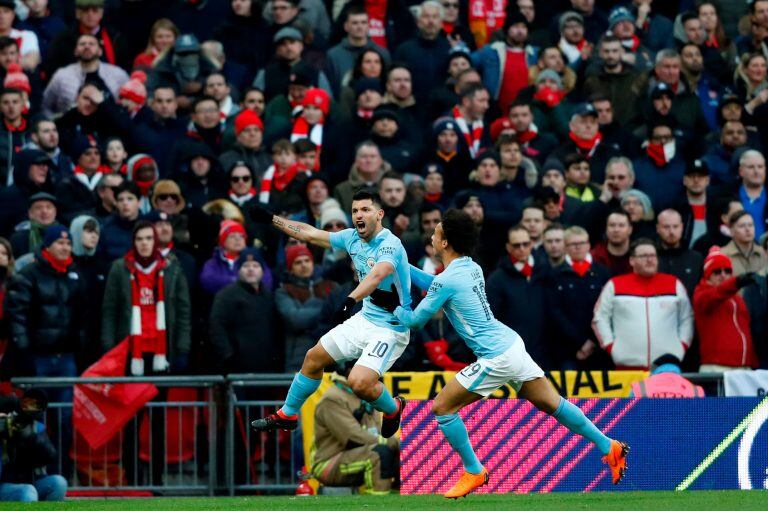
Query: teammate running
[[501, 355], [373, 336]]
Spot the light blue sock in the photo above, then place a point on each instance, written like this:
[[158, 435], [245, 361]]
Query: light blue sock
[[571, 416], [385, 403], [456, 432], [301, 388]]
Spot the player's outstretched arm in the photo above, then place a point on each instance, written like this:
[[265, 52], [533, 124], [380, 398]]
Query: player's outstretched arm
[[436, 297], [420, 278], [299, 230]]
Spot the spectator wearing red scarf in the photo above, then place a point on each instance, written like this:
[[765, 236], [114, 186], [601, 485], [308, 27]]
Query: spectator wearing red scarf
[[147, 299], [573, 291], [584, 137], [47, 307], [89, 14], [283, 181], [517, 292]]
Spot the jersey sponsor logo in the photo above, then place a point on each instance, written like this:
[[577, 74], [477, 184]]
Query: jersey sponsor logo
[[385, 251]]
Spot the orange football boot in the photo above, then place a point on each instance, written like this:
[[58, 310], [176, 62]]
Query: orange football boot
[[467, 483]]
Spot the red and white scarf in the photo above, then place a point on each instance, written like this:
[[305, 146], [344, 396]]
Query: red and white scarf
[[523, 137], [302, 129], [242, 199], [364, 114], [586, 147], [138, 344], [631, 44], [473, 137], [572, 52], [281, 181], [524, 267], [580, 267], [91, 182]]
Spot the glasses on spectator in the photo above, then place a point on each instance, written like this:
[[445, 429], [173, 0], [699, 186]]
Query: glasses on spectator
[[237, 179], [167, 196], [722, 271], [522, 244]]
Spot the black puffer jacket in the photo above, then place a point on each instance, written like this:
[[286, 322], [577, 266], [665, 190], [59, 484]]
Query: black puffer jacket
[[47, 309]]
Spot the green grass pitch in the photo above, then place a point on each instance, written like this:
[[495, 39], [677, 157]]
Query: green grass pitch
[[632, 501]]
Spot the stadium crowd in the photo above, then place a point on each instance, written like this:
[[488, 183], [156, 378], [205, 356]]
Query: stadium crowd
[[610, 153]]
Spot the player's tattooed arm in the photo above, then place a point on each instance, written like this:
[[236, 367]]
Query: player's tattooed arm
[[299, 230], [302, 231]]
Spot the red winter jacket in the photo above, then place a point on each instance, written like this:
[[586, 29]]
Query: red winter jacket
[[722, 321]]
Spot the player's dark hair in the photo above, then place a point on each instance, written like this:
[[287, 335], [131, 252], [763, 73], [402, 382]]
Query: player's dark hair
[[459, 231], [367, 195]]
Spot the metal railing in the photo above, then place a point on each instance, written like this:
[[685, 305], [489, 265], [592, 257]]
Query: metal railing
[[273, 459], [220, 456], [171, 446]]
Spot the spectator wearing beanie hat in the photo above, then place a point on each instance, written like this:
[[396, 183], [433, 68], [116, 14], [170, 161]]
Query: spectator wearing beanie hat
[[332, 219], [15, 78], [77, 191], [249, 144], [368, 96], [32, 174], [220, 270], [47, 306], [572, 43], [245, 328], [502, 205], [310, 124], [395, 148], [133, 93], [722, 318], [300, 301], [41, 213], [141, 169], [446, 133]]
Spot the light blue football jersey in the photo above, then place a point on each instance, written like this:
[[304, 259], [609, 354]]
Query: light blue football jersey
[[385, 247], [460, 291]]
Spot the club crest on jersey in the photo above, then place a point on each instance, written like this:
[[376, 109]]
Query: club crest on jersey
[[370, 262]]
